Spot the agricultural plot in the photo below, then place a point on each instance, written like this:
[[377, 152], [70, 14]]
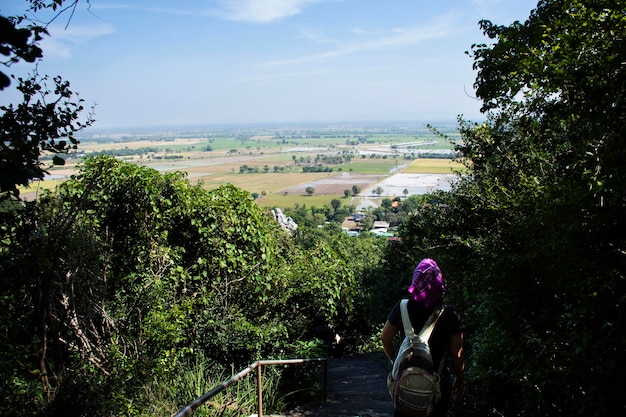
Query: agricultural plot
[[334, 185], [270, 162], [404, 185]]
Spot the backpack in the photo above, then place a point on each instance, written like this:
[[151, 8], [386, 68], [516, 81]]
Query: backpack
[[413, 382]]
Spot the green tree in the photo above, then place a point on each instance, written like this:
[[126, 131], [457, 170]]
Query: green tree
[[310, 190], [356, 190], [107, 290], [19, 43], [45, 122], [51, 264], [49, 115], [530, 235], [359, 299], [121, 275]]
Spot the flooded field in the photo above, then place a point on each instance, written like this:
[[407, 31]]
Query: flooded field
[[392, 186]]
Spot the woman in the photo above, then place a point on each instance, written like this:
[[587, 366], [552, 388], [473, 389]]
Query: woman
[[426, 292]]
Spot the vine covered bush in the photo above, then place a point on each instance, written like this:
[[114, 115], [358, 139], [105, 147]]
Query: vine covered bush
[[124, 273]]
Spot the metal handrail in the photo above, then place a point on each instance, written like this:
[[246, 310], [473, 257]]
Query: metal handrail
[[258, 364]]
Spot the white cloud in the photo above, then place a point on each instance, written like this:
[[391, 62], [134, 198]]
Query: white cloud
[[263, 11], [397, 37], [61, 41]]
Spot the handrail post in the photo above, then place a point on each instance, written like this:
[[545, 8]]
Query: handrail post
[[259, 391], [325, 389]]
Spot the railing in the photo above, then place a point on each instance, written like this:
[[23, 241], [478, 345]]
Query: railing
[[258, 365]]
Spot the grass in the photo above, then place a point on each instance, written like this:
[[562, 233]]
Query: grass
[[433, 166], [39, 186], [371, 166], [166, 397], [290, 200], [258, 182]]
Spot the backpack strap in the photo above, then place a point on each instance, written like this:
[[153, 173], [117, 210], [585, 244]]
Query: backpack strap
[[442, 362], [424, 333], [406, 320], [430, 324]]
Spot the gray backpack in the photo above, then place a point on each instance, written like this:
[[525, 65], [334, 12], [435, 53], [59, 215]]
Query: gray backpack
[[413, 382]]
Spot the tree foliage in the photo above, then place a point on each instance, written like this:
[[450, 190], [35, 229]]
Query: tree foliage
[[47, 118], [124, 273], [530, 235], [45, 122]]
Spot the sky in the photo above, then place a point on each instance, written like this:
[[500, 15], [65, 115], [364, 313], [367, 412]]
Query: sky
[[151, 63]]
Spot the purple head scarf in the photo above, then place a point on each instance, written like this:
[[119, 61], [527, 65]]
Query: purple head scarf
[[427, 286]]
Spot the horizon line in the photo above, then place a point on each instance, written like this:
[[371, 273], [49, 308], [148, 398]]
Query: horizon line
[[274, 124]]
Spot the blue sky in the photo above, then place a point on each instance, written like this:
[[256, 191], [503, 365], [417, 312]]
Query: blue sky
[[150, 63]]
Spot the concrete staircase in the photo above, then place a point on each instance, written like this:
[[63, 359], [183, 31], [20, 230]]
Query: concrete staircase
[[357, 387]]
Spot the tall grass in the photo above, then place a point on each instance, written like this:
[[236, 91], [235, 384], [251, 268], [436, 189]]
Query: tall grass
[[199, 376]]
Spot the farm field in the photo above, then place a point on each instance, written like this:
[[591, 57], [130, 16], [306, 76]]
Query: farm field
[[433, 166], [271, 163]]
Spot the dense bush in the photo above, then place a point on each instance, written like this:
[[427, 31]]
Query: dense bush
[[123, 273], [529, 237]]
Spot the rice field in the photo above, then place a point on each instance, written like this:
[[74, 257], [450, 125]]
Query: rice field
[[433, 166], [278, 157]]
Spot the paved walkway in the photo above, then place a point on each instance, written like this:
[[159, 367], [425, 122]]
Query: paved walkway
[[357, 387]]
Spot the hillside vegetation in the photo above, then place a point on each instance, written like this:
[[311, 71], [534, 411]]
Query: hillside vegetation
[[131, 274]]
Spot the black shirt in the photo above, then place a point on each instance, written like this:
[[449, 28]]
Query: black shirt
[[449, 324]]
